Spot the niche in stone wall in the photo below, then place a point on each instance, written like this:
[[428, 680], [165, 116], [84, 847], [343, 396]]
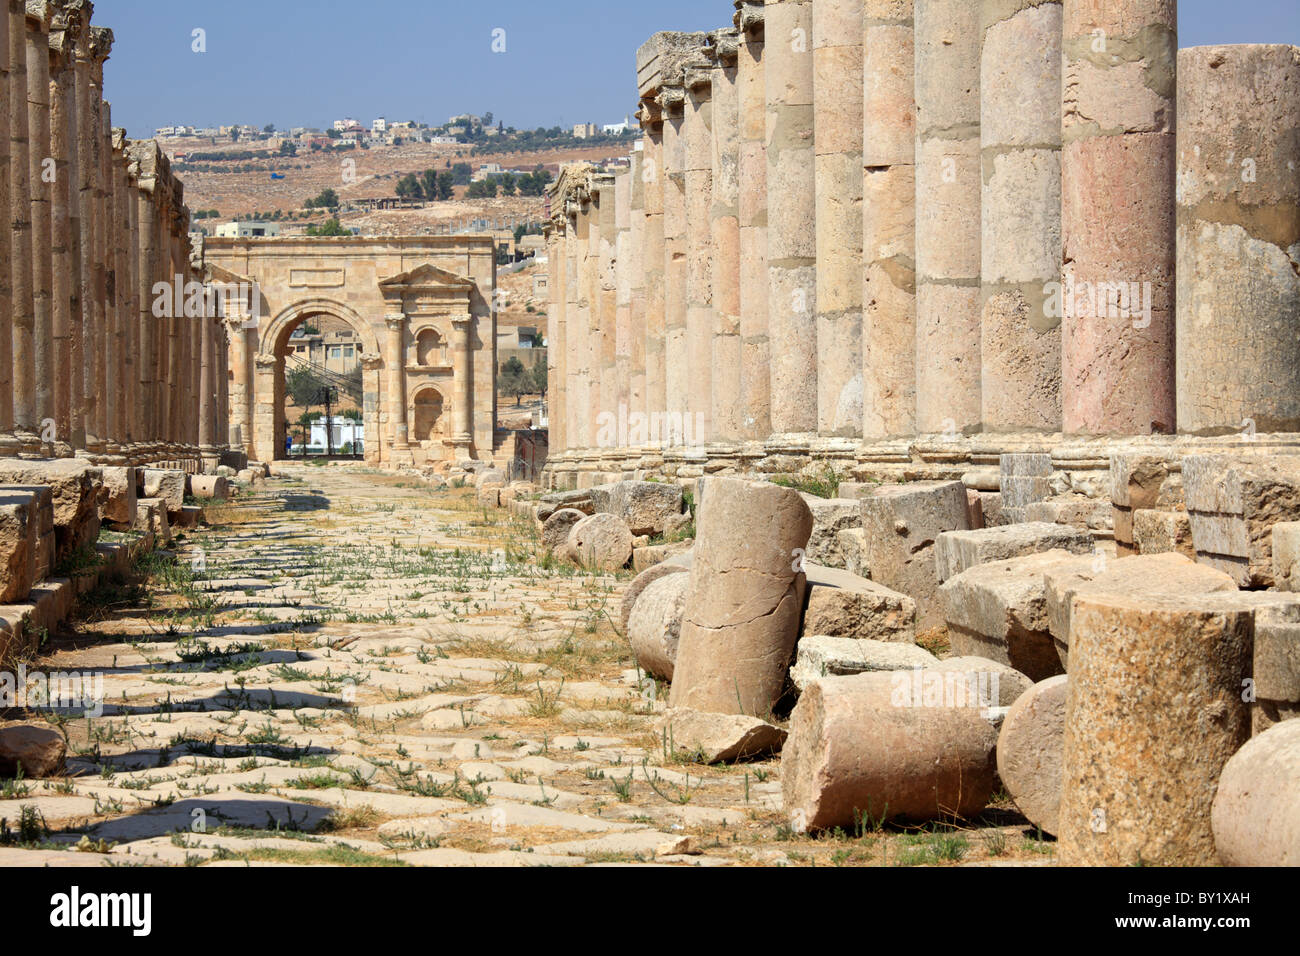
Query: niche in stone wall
[[430, 418], [431, 348]]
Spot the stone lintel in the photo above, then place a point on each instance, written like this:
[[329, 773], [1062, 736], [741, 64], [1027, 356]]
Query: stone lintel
[[661, 60]]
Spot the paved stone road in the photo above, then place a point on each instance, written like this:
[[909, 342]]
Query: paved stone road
[[350, 668]]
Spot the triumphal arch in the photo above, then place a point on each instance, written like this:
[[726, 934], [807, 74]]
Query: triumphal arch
[[421, 310]]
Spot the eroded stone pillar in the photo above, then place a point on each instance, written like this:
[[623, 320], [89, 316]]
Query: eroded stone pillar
[[656, 376], [791, 214], [623, 291], [838, 122], [672, 99], [1239, 239], [395, 359], [463, 420], [947, 216], [7, 442], [751, 95], [576, 327], [697, 132], [66, 301], [724, 222], [605, 317], [555, 320], [1118, 217], [42, 170], [636, 345], [889, 353], [1020, 143], [88, 48], [23, 357]]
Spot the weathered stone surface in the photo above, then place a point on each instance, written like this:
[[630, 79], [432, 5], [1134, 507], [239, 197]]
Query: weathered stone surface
[[988, 683], [646, 507], [74, 489], [17, 545], [151, 516], [958, 551], [1165, 574], [118, 497], [585, 500], [862, 745], [831, 517], [555, 530], [1256, 812], [1137, 482], [999, 611], [489, 496], [1029, 751], [744, 600], [1276, 666], [39, 751], [719, 738], [1234, 504], [1023, 479], [167, 484], [1154, 711], [1286, 556], [490, 477], [645, 558], [1076, 511], [902, 524], [655, 623], [852, 545], [841, 604], [210, 486], [600, 542], [642, 581], [820, 655], [1238, 238], [1162, 532]]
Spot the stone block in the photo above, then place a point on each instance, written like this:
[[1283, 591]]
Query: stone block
[[1276, 666], [1234, 505], [600, 542], [166, 484], [1286, 556], [820, 655], [958, 551], [852, 545], [831, 517], [1163, 574], [902, 523], [117, 501], [74, 488], [999, 611], [17, 544], [655, 622], [840, 604], [1162, 532], [718, 738], [646, 507]]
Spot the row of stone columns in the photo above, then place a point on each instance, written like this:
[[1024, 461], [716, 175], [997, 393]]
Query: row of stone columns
[[879, 219], [95, 358]]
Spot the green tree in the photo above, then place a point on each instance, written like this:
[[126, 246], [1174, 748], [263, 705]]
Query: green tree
[[331, 227], [446, 185], [288, 149], [351, 414], [328, 199], [408, 187], [539, 378], [429, 184], [304, 387], [514, 380]]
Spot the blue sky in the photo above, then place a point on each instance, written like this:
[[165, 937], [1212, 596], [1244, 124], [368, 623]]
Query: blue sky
[[308, 62]]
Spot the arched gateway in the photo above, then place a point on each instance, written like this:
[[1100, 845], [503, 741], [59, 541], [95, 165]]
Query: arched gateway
[[420, 310]]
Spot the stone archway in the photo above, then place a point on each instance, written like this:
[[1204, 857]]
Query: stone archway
[[273, 344]]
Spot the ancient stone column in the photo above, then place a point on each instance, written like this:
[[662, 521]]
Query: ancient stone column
[[395, 359], [1020, 142], [1118, 217], [128, 292], [947, 216], [42, 170], [92, 303], [241, 378], [697, 131], [463, 420], [889, 353], [146, 249], [636, 385], [724, 221], [623, 288], [575, 326], [555, 322], [656, 397], [10, 14], [1153, 712], [108, 240], [791, 215], [755, 364], [838, 124], [1238, 232], [66, 300], [23, 384], [206, 328], [605, 318], [672, 100]]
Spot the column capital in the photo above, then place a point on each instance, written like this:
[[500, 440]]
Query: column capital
[[266, 362], [371, 362], [40, 12], [98, 46], [396, 321]]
